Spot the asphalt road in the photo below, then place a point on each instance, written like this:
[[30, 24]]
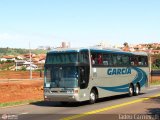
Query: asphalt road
[[117, 107]]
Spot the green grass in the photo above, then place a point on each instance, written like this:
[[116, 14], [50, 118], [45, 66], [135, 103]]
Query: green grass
[[156, 82], [18, 103]]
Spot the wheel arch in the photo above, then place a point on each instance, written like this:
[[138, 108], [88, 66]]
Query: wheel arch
[[131, 84], [96, 90]]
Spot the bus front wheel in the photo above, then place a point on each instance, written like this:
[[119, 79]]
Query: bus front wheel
[[93, 97]]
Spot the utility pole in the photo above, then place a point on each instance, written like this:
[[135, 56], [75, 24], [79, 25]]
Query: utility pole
[[30, 61], [150, 68], [16, 64]]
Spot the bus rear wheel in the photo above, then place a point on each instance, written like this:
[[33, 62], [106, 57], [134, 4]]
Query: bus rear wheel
[[131, 90], [93, 97], [137, 90]]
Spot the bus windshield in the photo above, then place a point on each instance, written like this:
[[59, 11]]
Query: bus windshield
[[65, 76], [62, 58]]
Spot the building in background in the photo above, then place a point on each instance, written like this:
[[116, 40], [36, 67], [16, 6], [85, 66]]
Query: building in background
[[65, 44]]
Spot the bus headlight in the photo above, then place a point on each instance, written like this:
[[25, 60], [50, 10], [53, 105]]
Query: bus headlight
[[45, 97], [75, 91]]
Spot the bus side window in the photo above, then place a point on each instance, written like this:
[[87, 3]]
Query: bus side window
[[146, 61], [114, 57], [106, 59], [84, 57], [105, 62], [119, 60], [132, 61], [99, 59], [143, 61], [125, 60], [92, 60], [136, 61]]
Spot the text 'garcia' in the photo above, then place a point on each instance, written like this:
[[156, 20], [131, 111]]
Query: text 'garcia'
[[118, 71]]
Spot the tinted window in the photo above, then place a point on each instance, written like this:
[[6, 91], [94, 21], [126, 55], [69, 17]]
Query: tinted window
[[125, 60], [139, 60], [107, 59], [120, 60], [142, 61], [84, 57], [97, 58], [61, 58]]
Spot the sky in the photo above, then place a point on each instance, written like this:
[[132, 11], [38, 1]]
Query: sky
[[83, 23]]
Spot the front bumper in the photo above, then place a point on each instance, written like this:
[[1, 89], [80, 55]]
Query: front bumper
[[61, 97]]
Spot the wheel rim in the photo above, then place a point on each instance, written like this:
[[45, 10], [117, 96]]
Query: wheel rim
[[131, 90], [137, 90], [92, 96]]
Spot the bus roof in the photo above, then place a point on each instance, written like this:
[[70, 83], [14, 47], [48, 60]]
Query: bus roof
[[109, 50], [65, 50]]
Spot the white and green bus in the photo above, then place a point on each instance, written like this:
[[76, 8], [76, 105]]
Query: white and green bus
[[75, 75]]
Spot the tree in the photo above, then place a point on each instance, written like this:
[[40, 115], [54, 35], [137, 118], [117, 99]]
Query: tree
[[126, 46], [158, 48], [157, 62], [149, 46]]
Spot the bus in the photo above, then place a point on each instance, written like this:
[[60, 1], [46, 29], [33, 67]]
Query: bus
[[86, 74]]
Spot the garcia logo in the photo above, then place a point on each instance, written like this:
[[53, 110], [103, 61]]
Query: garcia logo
[[118, 71]]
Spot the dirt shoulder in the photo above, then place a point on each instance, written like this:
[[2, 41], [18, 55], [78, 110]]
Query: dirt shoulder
[[21, 90], [20, 75]]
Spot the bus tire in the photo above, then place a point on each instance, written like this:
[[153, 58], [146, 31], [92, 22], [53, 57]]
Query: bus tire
[[130, 91], [137, 90], [93, 97]]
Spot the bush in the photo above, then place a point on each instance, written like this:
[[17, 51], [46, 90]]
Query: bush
[[154, 66], [2, 62], [157, 62], [9, 61], [23, 68]]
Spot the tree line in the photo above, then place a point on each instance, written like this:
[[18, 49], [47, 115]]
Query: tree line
[[19, 51]]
